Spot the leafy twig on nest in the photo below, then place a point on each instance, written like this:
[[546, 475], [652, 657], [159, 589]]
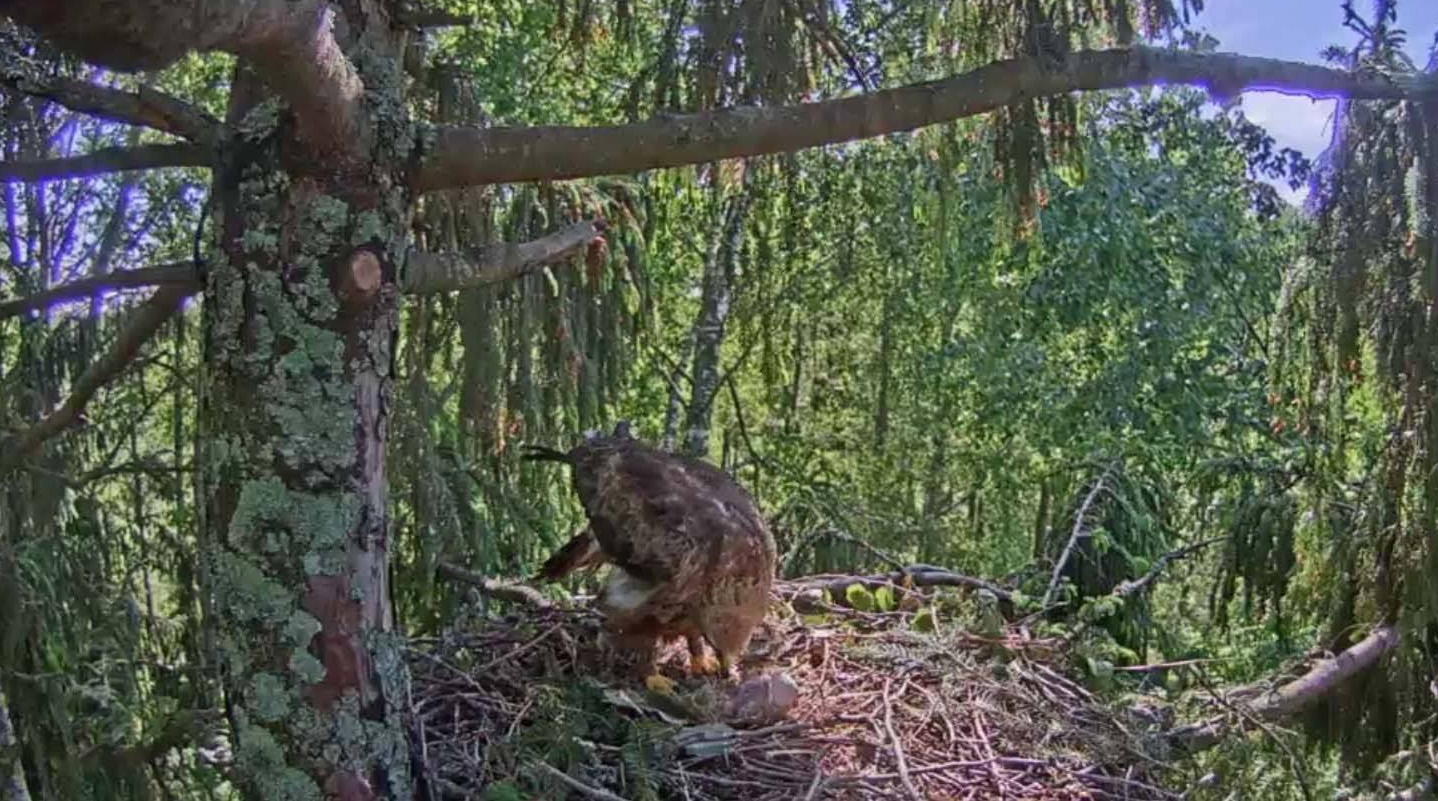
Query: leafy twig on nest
[[575, 784], [918, 575]]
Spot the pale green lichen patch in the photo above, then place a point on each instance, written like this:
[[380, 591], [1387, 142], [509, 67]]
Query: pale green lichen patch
[[269, 699], [324, 219], [260, 758], [368, 227], [243, 590], [306, 667], [301, 628], [261, 120], [269, 516]]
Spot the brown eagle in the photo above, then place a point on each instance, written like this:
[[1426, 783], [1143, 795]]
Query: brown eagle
[[691, 555]]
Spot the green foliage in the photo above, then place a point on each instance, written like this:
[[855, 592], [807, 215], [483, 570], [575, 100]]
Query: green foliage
[[940, 344]]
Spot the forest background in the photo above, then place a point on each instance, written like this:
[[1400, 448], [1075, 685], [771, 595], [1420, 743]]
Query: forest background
[[961, 346]]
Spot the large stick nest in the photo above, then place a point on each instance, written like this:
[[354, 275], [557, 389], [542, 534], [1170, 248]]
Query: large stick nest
[[534, 703]]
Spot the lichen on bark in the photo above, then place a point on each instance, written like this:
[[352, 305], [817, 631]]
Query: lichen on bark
[[296, 395]]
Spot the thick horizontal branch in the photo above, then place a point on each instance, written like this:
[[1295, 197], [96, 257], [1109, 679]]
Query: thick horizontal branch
[[179, 273], [431, 18], [138, 330], [290, 44], [148, 107], [463, 156], [494, 588], [1296, 695], [106, 160], [293, 47], [427, 273]]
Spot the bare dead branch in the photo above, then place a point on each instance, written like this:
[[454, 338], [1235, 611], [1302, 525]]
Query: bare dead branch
[[1294, 696], [179, 273], [1078, 533], [147, 107], [142, 325], [1424, 790], [494, 588], [106, 160], [1141, 584], [428, 273], [1127, 588], [465, 156]]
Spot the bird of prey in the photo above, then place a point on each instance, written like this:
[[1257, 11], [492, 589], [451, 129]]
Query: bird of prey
[[691, 556]]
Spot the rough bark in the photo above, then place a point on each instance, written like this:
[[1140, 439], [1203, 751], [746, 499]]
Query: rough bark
[[717, 292], [300, 319], [463, 156], [12, 773]]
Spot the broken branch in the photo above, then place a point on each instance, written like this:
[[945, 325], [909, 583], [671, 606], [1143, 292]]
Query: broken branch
[[467, 156], [106, 160], [494, 588], [1127, 588], [428, 273], [1294, 696], [138, 330]]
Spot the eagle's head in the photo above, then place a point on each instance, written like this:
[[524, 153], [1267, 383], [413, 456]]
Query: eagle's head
[[621, 432]]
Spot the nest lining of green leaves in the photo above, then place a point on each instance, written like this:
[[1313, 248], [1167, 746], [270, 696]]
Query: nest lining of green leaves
[[896, 698]]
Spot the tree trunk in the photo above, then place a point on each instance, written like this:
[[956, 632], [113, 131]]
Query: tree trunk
[[299, 328], [718, 291], [12, 773]]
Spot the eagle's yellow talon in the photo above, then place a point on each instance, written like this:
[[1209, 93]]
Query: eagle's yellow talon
[[659, 684], [705, 665]]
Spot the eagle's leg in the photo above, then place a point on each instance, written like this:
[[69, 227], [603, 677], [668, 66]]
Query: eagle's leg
[[643, 648], [647, 666], [700, 662]]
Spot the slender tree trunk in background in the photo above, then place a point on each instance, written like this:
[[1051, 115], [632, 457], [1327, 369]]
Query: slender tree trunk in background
[[886, 352], [714, 303], [12, 774], [673, 408], [300, 319]]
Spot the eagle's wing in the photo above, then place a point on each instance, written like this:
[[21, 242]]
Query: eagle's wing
[[581, 551], [648, 515]]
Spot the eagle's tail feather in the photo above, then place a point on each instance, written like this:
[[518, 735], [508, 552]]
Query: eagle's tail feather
[[539, 453], [581, 551]]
